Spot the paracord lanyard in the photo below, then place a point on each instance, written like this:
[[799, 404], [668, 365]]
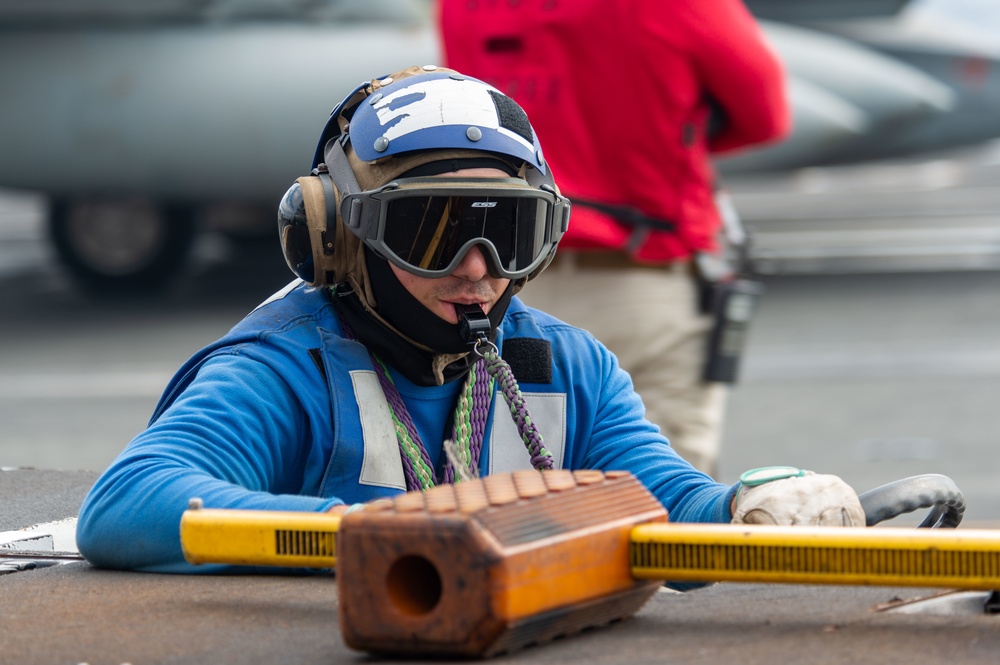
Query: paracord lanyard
[[468, 421]]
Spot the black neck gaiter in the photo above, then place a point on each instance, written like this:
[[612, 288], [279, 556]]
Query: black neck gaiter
[[405, 313]]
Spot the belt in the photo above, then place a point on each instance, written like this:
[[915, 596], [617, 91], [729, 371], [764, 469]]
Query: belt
[[613, 260]]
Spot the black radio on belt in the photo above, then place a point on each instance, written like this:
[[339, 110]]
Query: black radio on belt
[[734, 303]]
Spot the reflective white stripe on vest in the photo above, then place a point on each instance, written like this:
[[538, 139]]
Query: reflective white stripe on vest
[[382, 465], [507, 450]]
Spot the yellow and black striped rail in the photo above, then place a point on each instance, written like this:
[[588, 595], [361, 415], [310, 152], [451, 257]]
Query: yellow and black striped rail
[[964, 559], [260, 538], [953, 558]]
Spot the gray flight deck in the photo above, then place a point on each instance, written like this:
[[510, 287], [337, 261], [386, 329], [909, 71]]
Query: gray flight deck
[[72, 613]]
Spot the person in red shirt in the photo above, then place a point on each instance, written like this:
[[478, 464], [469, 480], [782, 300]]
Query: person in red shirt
[[631, 99]]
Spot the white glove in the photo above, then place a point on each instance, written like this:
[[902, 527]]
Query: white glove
[[796, 498]]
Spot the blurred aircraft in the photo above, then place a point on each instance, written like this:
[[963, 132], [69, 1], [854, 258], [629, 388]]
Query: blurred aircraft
[[144, 122], [875, 79]]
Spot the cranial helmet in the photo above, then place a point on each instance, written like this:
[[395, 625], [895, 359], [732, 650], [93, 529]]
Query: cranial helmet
[[372, 200], [368, 185]]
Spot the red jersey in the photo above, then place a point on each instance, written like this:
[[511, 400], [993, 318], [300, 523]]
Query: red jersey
[[618, 92]]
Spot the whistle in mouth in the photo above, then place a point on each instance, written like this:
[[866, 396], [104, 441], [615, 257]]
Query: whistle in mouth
[[473, 324]]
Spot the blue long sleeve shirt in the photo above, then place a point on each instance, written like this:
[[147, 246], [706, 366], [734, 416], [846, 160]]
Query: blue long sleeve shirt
[[285, 413]]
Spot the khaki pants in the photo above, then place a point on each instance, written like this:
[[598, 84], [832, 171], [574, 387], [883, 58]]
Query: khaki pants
[[649, 318]]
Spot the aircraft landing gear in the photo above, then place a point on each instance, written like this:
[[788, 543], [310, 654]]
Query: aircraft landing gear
[[121, 247]]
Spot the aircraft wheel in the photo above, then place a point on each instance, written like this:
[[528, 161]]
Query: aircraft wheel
[[121, 247]]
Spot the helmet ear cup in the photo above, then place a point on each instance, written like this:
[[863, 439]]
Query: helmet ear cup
[[307, 228]]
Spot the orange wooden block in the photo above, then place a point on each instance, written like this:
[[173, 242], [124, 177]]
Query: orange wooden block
[[492, 565]]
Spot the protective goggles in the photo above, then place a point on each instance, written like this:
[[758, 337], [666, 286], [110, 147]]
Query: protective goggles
[[426, 226]]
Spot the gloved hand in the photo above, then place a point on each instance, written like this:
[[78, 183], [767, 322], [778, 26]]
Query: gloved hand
[[796, 497]]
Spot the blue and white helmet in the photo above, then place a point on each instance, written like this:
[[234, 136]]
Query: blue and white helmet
[[431, 108], [388, 127], [442, 110]]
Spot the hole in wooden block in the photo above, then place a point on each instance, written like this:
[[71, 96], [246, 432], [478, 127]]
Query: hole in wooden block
[[414, 585]]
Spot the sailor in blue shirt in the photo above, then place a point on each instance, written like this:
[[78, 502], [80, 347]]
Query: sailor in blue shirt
[[428, 207]]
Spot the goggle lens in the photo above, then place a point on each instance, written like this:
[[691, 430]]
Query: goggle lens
[[432, 232]]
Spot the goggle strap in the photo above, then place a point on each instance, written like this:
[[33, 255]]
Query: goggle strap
[[340, 169]]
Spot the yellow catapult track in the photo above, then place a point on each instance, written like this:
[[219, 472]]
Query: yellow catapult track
[[954, 558], [260, 538], [492, 565], [965, 559]]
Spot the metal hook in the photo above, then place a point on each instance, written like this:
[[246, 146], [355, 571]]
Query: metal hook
[[487, 343]]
